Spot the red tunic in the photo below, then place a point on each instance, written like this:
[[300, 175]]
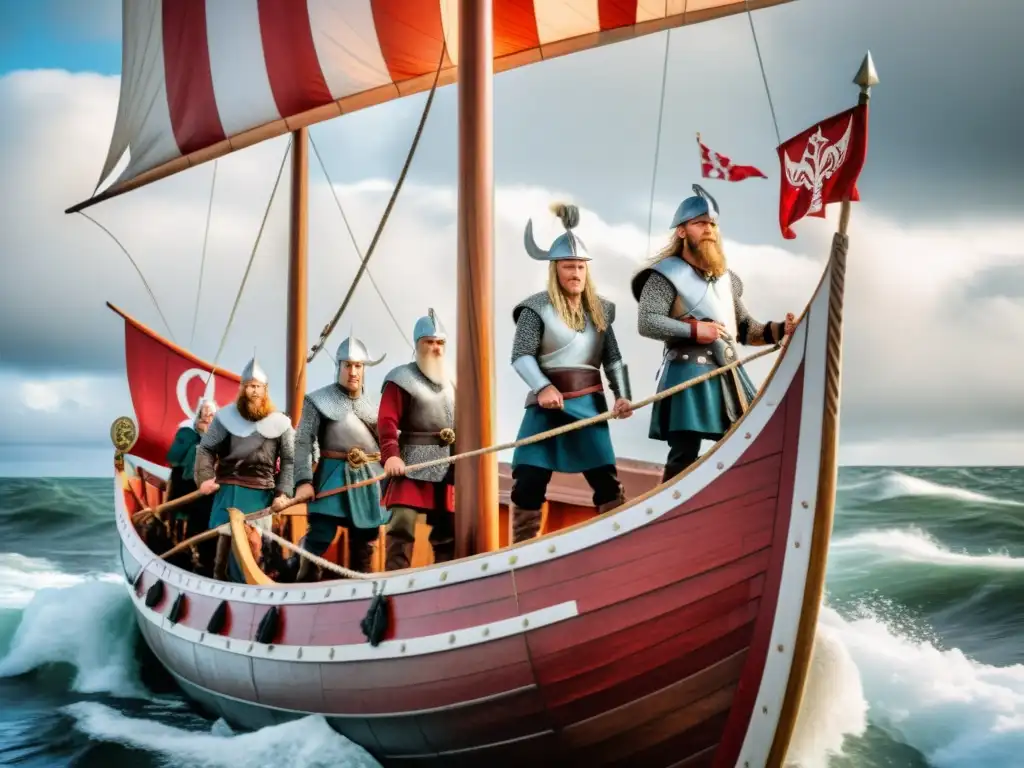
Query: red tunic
[[402, 491]]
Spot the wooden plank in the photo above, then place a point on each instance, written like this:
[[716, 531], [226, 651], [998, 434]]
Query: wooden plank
[[490, 721], [288, 685], [632, 688], [637, 644], [655, 603], [635, 714]]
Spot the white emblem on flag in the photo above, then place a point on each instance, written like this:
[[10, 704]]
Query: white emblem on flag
[[819, 162]]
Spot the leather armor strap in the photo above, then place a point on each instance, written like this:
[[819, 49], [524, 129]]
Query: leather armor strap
[[571, 382], [444, 437]]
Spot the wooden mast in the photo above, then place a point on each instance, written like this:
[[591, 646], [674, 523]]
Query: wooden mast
[[298, 282], [476, 480]]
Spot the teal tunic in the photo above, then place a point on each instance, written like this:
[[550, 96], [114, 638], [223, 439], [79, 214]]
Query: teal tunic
[[360, 505], [245, 500], [700, 408], [182, 452], [575, 451]]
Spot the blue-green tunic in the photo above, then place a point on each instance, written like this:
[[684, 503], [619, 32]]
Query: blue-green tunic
[[700, 408], [575, 451], [333, 421], [545, 347]]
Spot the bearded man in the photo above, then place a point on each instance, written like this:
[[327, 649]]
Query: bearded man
[[692, 302], [564, 335], [416, 423], [193, 517], [237, 460], [339, 422]]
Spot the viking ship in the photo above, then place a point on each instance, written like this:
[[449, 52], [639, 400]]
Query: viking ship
[[674, 630]]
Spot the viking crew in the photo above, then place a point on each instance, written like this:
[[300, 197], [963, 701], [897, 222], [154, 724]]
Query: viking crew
[[193, 517], [237, 460], [564, 335], [416, 423], [339, 422], [691, 301]]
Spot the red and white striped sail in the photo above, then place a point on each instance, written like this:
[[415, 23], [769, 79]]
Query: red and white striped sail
[[202, 78]]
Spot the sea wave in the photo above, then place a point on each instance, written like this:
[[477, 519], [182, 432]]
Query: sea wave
[[889, 485], [916, 545]]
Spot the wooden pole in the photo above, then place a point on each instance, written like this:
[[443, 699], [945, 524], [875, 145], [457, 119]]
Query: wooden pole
[[298, 277], [476, 482]]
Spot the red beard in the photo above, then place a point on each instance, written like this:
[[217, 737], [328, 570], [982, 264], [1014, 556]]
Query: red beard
[[254, 410]]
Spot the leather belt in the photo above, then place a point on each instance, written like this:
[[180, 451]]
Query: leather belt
[[572, 382], [356, 457]]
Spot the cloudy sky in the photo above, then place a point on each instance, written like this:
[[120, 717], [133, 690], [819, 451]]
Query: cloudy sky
[[932, 370]]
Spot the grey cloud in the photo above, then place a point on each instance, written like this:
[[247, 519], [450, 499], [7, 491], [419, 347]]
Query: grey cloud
[[1005, 280]]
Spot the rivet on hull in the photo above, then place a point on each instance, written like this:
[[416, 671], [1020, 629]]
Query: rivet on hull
[[513, 559], [676, 494], [402, 648], [526, 622], [487, 631], [780, 648], [411, 582], [796, 544], [451, 639], [202, 636], [483, 566], [353, 590], [615, 526], [746, 436], [298, 654], [551, 549], [443, 576], [804, 504], [650, 510], [330, 655], [303, 597], [721, 465], [327, 593], [764, 710]]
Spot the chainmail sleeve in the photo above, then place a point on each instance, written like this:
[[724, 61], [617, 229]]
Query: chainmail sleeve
[[529, 328], [652, 319], [207, 451], [526, 347], [286, 452], [750, 331], [306, 442]]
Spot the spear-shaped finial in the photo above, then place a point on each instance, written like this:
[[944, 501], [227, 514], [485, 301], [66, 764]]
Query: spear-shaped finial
[[866, 76]]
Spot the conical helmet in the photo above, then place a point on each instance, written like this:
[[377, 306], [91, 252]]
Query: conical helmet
[[352, 350], [254, 372]]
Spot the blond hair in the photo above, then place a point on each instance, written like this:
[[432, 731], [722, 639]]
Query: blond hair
[[590, 304]]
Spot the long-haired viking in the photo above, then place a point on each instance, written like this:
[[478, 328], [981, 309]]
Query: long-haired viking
[[192, 518], [564, 336], [692, 302], [237, 459], [339, 424]]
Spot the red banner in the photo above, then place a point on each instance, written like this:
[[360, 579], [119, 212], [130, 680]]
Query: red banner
[[166, 384], [716, 166], [821, 166]]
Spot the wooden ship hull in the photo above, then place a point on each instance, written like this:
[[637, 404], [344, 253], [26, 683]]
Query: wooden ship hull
[[675, 630]]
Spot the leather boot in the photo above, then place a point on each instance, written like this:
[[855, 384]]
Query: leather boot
[[525, 523], [360, 555], [398, 554], [608, 506], [220, 561], [443, 551], [308, 570]]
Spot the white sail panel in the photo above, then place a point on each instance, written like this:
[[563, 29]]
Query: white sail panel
[[202, 78]]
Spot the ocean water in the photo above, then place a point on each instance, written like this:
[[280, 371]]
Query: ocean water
[[919, 660]]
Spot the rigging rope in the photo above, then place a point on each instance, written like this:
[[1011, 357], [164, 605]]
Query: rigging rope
[[141, 276], [764, 77], [326, 332], [252, 256], [202, 262], [355, 245], [657, 142]]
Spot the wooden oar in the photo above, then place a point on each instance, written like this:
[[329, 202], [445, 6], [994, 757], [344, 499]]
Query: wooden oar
[[156, 511], [225, 528]]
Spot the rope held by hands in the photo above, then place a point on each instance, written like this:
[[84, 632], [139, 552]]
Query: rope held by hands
[[252, 516]]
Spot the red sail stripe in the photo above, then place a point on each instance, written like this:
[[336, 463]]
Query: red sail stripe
[[190, 97], [616, 13], [410, 36], [515, 27], [293, 68]]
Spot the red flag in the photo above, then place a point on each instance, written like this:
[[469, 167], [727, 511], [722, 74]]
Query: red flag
[[821, 166], [716, 166], [166, 383]]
